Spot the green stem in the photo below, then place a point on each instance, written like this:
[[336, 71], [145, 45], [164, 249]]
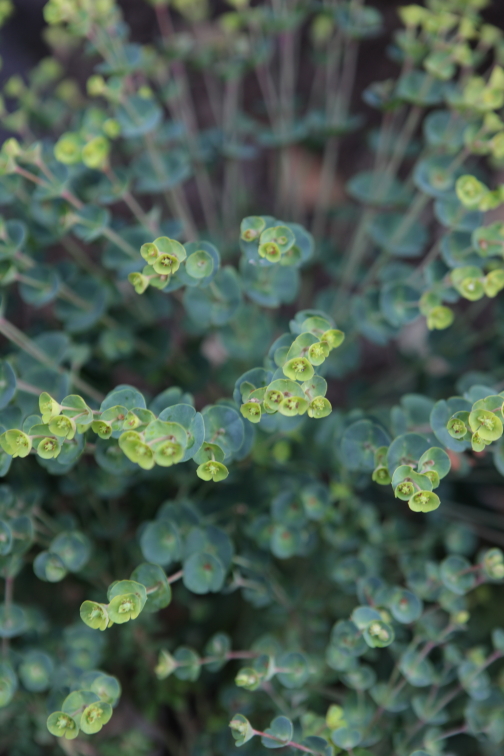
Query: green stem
[[8, 598]]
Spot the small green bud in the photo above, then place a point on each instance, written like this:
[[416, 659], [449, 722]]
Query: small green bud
[[412, 15], [6, 10], [319, 407], [424, 501], [252, 411], [165, 666], [12, 148], [112, 128], [96, 86], [298, 369], [68, 148], [321, 29], [212, 470], [139, 282], [95, 153]]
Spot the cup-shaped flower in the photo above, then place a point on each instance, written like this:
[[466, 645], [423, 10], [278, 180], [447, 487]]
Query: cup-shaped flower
[[272, 399], [298, 369], [136, 450], [251, 227], [68, 148], [16, 443], [493, 282], [63, 426], [470, 191], [149, 252], [334, 337], [487, 424], [319, 407], [378, 634], [493, 564], [270, 251], [95, 153], [282, 237], [48, 448], [318, 352], [168, 453], [478, 444], [95, 716], [290, 406], [404, 490], [456, 428], [62, 725], [200, 264], [124, 607], [95, 615], [102, 428], [433, 477], [212, 470], [166, 264], [48, 406], [248, 678], [381, 475], [139, 282], [241, 729], [471, 289], [440, 318], [251, 411], [424, 501]]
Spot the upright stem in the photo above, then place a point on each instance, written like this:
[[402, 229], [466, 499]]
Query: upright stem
[[8, 597]]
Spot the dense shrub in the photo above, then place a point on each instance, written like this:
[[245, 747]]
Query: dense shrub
[[178, 320]]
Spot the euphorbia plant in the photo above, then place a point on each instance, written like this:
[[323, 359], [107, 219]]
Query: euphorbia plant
[[198, 441]]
